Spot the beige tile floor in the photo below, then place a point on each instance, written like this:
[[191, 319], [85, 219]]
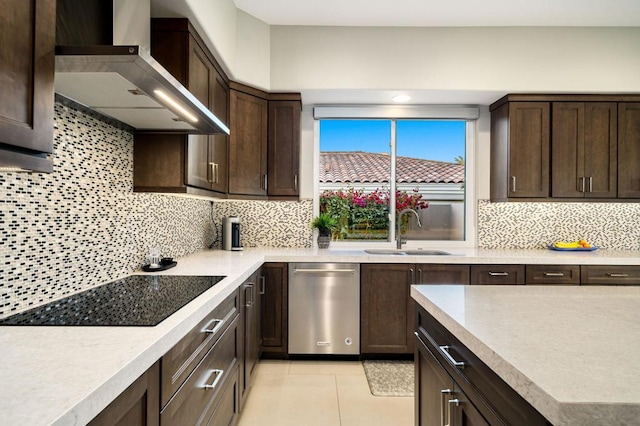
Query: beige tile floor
[[326, 393]]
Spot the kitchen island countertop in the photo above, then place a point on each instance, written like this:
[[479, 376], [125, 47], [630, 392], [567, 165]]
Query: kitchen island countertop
[[569, 351], [66, 375]]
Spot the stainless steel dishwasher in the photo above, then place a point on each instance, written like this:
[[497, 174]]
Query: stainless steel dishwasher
[[324, 308]]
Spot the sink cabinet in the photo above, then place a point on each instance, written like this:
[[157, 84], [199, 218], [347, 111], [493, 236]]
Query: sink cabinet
[[26, 84], [386, 306]]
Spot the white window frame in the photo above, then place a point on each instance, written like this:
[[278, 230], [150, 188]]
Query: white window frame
[[468, 113]]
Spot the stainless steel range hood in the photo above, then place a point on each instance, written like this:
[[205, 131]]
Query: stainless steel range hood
[[120, 79]]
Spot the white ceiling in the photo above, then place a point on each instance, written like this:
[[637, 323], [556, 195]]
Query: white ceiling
[[445, 13]]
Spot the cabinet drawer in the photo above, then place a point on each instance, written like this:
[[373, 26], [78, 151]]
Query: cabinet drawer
[[196, 400], [553, 274], [228, 407], [610, 275], [179, 362], [497, 274]]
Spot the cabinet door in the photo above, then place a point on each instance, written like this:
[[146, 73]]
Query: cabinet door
[[553, 274], [385, 303], [251, 335], [199, 171], [497, 274], [248, 145], [26, 81], [528, 168], [434, 388], [273, 312], [584, 149], [567, 151], [629, 150], [463, 412], [284, 148], [600, 149], [219, 144], [138, 405]]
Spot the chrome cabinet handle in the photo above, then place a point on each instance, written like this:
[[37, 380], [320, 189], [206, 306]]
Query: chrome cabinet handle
[[322, 271], [581, 184], [420, 276], [264, 179], [218, 324], [262, 284], [210, 170], [443, 392], [218, 374], [295, 182], [455, 402], [616, 275], [216, 169], [498, 274], [412, 275], [513, 184], [445, 351], [248, 301], [553, 274], [590, 184]]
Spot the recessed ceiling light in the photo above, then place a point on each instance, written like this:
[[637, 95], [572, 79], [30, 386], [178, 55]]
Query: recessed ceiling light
[[401, 98]]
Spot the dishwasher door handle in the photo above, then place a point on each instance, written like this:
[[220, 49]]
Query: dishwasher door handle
[[322, 271]]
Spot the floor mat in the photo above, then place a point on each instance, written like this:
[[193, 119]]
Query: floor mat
[[389, 378]]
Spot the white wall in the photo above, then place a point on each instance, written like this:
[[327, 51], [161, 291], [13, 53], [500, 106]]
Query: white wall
[[239, 41], [509, 59]]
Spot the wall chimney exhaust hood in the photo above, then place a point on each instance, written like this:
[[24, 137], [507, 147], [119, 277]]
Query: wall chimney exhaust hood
[[103, 62]]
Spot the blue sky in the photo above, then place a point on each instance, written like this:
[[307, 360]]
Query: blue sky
[[432, 140]]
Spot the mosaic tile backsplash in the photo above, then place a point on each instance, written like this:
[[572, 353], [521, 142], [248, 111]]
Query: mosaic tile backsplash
[[82, 225], [536, 225], [270, 223]]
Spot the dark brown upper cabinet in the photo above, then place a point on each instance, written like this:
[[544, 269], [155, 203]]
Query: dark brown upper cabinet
[[248, 142], [520, 150], [26, 84], [565, 147], [628, 150], [584, 149], [193, 164], [284, 147]]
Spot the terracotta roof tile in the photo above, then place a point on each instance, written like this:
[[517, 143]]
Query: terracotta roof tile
[[365, 167]]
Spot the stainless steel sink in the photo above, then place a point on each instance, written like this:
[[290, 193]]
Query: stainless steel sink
[[414, 252], [385, 251]]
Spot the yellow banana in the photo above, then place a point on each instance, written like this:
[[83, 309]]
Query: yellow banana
[[563, 244]]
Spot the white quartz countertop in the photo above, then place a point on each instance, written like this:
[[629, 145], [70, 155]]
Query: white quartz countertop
[[67, 375], [571, 351]]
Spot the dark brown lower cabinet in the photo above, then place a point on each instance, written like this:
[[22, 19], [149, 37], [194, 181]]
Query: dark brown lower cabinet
[[553, 274], [385, 301], [610, 275], [273, 310], [497, 274], [138, 405], [453, 394], [250, 314], [429, 273]]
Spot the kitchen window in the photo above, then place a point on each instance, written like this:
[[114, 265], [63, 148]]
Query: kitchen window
[[415, 159]]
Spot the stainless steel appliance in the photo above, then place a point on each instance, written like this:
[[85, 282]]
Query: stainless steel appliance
[[324, 308], [231, 233]]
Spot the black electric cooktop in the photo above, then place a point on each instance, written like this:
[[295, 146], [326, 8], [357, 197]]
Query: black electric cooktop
[[136, 300]]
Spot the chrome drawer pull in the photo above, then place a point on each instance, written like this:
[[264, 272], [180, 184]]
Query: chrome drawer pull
[[443, 392], [445, 352], [218, 374], [553, 274], [455, 402], [322, 271], [262, 284], [218, 324], [616, 275], [498, 274]]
